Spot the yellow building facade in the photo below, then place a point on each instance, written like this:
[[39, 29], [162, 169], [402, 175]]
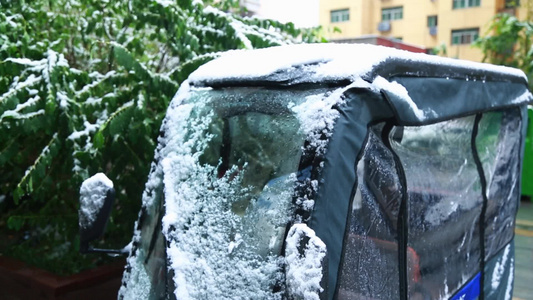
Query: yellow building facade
[[425, 23]]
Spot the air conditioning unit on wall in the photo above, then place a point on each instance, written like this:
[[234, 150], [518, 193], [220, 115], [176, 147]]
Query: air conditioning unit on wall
[[384, 26]]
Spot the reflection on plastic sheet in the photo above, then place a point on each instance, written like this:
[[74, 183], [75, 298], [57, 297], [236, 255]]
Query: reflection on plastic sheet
[[370, 268], [444, 204], [498, 144]]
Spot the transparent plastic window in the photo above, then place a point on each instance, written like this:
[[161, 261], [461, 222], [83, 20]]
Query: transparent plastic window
[[370, 266], [498, 144], [228, 202], [227, 168], [444, 199], [444, 204]]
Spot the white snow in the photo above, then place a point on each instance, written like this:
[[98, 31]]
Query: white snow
[[317, 116], [99, 78], [401, 92], [17, 112], [16, 115], [11, 23], [165, 3], [304, 272], [26, 61], [223, 254], [242, 30], [239, 32], [509, 287], [526, 96], [18, 86], [141, 290], [87, 130], [127, 289], [93, 192], [215, 257], [499, 269], [63, 99], [53, 61], [211, 10], [332, 62]]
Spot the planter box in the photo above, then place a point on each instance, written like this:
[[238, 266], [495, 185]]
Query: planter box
[[20, 282]]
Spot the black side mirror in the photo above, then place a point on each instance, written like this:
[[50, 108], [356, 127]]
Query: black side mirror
[[307, 264], [97, 196]]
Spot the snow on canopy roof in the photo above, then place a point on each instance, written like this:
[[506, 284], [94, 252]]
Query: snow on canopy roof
[[291, 64]]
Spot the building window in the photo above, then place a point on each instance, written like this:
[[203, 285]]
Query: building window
[[393, 13], [464, 36], [465, 3], [340, 15], [512, 3], [432, 21]]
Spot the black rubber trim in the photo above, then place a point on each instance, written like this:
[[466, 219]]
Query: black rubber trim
[[403, 215], [483, 182]]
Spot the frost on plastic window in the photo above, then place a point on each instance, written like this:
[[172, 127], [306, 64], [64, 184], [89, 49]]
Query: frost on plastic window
[[146, 275], [498, 143], [444, 204], [229, 172], [370, 266]]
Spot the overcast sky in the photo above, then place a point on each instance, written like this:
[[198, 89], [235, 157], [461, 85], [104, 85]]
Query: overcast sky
[[303, 13]]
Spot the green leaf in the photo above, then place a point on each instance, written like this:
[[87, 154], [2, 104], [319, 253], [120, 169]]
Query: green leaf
[[10, 150], [98, 140], [17, 194], [105, 56], [29, 186], [15, 223], [50, 107], [128, 61]]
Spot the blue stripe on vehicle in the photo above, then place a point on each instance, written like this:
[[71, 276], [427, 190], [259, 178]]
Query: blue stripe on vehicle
[[470, 291]]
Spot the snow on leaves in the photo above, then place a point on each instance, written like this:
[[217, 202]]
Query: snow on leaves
[[91, 80]]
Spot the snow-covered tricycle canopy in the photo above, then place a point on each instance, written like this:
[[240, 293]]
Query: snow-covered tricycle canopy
[[333, 172]]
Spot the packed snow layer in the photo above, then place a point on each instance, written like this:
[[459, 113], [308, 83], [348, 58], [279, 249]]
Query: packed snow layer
[[320, 63], [304, 272], [401, 92], [133, 282], [328, 62], [317, 117], [93, 192]]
